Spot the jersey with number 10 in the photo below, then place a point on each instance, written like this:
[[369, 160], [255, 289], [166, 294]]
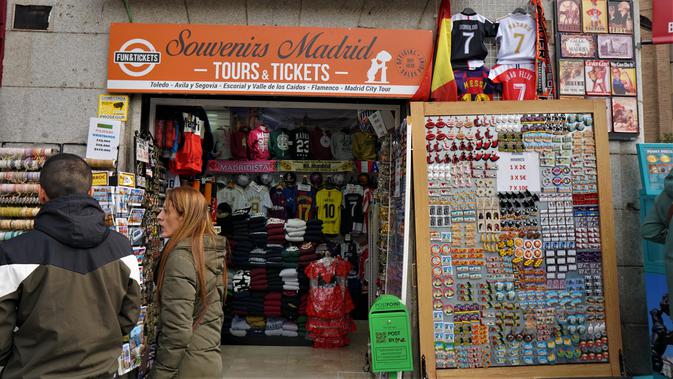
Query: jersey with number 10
[[518, 82], [517, 37], [328, 204], [467, 40]]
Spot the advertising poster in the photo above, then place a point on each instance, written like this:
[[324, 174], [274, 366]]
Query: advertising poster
[[613, 46], [103, 139], [569, 16], [656, 161], [594, 16], [624, 79], [625, 115], [620, 17], [571, 77], [578, 46], [597, 77]]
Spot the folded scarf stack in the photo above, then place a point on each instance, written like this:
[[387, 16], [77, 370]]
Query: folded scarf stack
[[274, 326], [290, 329], [258, 257], [307, 254], [272, 304], [265, 280], [290, 279], [295, 229], [290, 257], [290, 304], [314, 231], [248, 304], [239, 326], [275, 229]]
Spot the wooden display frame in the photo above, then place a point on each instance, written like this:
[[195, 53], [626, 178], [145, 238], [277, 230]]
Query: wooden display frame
[[609, 260]]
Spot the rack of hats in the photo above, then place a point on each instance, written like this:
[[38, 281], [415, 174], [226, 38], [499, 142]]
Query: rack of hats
[[292, 194], [19, 185], [516, 261]]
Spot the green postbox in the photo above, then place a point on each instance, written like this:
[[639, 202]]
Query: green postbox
[[390, 336]]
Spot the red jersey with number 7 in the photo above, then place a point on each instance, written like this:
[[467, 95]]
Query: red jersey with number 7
[[517, 82]]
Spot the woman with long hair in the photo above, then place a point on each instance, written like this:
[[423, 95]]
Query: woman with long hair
[[191, 285]]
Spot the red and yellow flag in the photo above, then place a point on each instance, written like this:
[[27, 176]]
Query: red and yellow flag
[[443, 82]]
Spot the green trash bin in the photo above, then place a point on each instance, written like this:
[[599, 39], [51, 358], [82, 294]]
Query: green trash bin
[[390, 335]]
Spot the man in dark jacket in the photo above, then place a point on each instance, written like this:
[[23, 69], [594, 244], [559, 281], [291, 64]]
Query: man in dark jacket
[[69, 290]]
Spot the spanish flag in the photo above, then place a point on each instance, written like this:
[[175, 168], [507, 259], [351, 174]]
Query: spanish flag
[[443, 83]]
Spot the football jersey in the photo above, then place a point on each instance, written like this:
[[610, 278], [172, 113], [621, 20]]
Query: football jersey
[[278, 210], [300, 144], [258, 143], [517, 82], [235, 197], [321, 144], [467, 40], [222, 145], [364, 146], [342, 146], [290, 194], [328, 203], [517, 37], [259, 199], [474, 85], [280, 144], [239, 145], [353, 213], [304, 203]]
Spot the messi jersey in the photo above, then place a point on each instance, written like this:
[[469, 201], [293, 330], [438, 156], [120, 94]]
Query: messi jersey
[[328, 204], [474, 85], [279, 203], [467, 40], [517, 82], [517, 37], [304, 205]]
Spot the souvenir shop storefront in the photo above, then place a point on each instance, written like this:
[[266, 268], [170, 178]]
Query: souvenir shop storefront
[[495, 232]]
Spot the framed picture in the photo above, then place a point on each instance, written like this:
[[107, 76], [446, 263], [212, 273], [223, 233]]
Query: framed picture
[[608, 110], [568, 16], [624, 79], [597, 74], [615, 46], [625, 115], [620, 16], [578, 46], [594, 16], [571, 77]]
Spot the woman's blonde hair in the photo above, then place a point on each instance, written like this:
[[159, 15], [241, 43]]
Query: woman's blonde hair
[[190, 204]]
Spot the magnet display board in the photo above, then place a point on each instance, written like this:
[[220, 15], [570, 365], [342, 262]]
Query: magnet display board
[[515, 239]]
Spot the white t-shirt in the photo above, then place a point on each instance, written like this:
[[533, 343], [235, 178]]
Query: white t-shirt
[[222, 145], [259, 199], [234, 196], [517, 37], [342, 146]]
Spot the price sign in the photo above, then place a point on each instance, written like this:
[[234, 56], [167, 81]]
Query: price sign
[[519, 172]]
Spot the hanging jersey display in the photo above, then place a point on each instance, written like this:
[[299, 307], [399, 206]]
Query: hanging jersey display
[[321, 144], [364, 146], [259, 199], [342, 146], [239, 145], [473, 85], [353, 216], [304, 205], [279, 203], [290, 194], [280, 144], [329, 303], [258, 143], [300, 144], [235, 197], [222, 145], [517, 81], [328, 204], [516, 37], [467, 40]]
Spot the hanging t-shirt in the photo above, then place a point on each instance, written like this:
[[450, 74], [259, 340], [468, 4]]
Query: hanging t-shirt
[[258, 143], [259, 199], [517, 37], [342, 146], [328, 203], [517, 81], [280, 144], [467, 40], [235, 197], [279, 202], [353, 213], [304, 205], [239, 145], [300, 144], [290, 194], [473, 85], [364, 146], [321, 144], [222, 145]]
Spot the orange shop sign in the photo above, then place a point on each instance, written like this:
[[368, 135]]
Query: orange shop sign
[[250, 60]]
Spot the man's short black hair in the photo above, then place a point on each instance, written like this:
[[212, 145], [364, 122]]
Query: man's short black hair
[[65, 174]]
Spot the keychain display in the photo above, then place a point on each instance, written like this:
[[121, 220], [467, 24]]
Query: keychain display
[[515, 247]]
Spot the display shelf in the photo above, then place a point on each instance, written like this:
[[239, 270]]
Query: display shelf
[[531, 183]]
